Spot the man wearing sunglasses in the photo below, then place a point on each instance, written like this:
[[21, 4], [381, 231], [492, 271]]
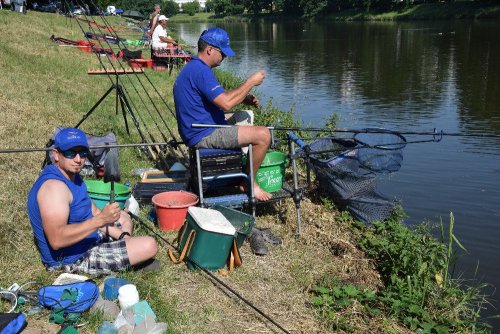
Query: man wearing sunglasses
[[71, 233], [200, 98]]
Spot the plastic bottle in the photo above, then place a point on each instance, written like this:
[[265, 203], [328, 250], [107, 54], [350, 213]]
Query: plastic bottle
[[132, 205], [107, 328], [127, 296]]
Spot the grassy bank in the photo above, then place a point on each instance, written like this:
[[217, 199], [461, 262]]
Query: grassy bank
[[337, 277]]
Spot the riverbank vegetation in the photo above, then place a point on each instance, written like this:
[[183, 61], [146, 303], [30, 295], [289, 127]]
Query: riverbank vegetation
[[359, 10], [380, 10], [339, 276]]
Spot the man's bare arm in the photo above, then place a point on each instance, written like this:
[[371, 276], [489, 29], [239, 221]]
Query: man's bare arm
[[54, 199], [229, 99]]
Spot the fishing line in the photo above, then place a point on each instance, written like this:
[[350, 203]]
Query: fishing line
[[243, 299]]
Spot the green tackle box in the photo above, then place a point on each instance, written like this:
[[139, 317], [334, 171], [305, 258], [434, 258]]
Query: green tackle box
[[211, 241]]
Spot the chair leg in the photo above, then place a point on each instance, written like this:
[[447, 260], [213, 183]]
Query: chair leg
[[200, 181]]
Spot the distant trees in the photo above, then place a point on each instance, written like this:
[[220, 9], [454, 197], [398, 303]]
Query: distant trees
[[191, 8], [169, 8], [305, 8], [308, 8], [226, 7]]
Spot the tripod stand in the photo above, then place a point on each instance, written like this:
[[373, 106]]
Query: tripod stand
[[120, 97]]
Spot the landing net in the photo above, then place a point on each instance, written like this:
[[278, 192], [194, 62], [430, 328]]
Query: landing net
[[347, 169]]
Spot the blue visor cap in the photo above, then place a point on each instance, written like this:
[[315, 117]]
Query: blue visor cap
[[70, 137], [218, 37]]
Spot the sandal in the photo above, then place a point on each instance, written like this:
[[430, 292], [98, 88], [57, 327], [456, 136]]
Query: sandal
[[269, 237], [257, 243]]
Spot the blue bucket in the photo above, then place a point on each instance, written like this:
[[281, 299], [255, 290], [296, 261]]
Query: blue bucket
[[111, 286]]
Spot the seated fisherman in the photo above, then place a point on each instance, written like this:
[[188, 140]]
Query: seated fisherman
[[160, 39], [200, 98], [71, 233]]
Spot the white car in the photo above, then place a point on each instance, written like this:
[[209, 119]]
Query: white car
[[79, 10]]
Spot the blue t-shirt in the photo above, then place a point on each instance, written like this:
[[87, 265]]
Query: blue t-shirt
[[194, 92], [80, 210]]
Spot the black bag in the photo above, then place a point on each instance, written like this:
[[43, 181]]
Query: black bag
[[126, 54]]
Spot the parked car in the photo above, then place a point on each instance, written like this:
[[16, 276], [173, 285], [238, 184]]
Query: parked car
[[51, 7], [79, 10]]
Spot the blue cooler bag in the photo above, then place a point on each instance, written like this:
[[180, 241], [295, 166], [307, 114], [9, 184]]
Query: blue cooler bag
[[72, 298]]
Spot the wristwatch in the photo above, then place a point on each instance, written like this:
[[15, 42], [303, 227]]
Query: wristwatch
[[123, 235]]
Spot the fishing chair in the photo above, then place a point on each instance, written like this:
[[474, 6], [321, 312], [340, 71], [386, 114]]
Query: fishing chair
[[216, 170], [169, 56]]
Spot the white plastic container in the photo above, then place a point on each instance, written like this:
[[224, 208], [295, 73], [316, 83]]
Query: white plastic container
[[127, 296]]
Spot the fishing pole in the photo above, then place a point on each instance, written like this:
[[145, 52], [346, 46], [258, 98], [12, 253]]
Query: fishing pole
[[372, 130], [206, 271], [120, 40], [172, 143], [368, 130]]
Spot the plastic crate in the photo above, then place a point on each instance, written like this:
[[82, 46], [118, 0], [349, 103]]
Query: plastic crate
[[217, 161], [144, 191]]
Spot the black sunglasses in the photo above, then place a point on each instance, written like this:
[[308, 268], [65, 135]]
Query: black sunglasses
[[70, 154], [222, 53]]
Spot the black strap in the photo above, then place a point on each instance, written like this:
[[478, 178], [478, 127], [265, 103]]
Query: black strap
[[123, 235]]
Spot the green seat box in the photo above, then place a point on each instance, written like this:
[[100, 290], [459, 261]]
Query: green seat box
[[213, 239], [242, 222]]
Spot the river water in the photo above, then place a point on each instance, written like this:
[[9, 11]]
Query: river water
[[412, 76]]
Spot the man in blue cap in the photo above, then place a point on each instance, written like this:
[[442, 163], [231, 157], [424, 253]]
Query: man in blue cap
[[199, 98], [71, 233]]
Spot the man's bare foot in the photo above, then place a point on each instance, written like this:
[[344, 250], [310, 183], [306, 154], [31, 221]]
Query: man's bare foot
[[260, 194]]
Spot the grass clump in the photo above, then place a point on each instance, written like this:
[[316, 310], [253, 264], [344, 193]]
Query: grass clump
[[417, 290]]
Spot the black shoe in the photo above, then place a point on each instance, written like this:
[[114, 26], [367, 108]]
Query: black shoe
[[269, 237], [149, 265], [257, 243]]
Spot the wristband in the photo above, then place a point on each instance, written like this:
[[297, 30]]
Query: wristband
[[123, 235]]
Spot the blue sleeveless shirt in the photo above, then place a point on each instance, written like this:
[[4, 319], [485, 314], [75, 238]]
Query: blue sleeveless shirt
[[80, 210]]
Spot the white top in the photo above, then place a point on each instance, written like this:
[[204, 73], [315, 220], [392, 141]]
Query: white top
[[159, 31], [211, 220]]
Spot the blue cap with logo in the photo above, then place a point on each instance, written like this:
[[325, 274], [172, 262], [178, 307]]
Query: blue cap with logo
[[68, 138], [219, 38]]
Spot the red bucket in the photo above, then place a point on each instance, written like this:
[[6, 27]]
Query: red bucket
[[171, 208]]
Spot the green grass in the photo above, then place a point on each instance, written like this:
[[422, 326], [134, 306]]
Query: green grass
[[414, 267], [44, 85]]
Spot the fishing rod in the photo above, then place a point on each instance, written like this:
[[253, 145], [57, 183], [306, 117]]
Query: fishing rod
[[212, 276], [374, 130], [120, 40], [172, 143], [368, 130], [123, 91]]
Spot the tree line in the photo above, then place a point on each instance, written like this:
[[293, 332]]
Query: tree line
[[304, 8]]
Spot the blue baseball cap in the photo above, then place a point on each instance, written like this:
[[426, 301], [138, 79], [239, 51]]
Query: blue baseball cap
[[219, 38], [68, 138]]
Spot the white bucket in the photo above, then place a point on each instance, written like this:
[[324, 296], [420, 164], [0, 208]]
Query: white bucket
[[127, 296]]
